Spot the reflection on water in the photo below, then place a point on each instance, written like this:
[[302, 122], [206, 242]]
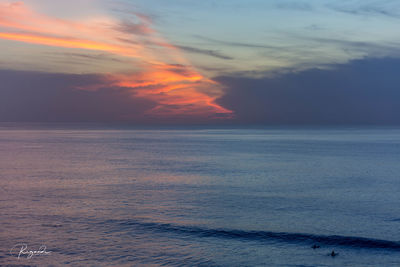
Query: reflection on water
[[217, 197]]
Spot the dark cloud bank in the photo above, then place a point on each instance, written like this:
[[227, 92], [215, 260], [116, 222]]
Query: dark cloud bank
[[361, 92], [47, 97]]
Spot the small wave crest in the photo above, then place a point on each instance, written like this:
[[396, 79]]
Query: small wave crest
[[266, 236]]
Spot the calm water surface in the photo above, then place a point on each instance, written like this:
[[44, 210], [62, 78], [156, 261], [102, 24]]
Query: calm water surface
[[200, 197]]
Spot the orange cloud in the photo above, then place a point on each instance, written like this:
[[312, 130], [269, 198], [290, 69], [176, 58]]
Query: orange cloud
[[166, 77], [66, 42], [177, 91]]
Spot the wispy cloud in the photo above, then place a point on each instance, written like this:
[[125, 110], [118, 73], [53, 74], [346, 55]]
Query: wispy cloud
[[138, 28], [378, 49], [105, 57], [211, 53], [233, 43], [367, 9]]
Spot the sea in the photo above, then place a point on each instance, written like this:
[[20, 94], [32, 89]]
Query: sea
[[94, 195]]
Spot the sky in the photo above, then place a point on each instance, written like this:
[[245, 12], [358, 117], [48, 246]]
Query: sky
[[200, 62]]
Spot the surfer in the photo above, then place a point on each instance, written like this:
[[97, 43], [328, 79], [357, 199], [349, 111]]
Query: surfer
[[333, 253]]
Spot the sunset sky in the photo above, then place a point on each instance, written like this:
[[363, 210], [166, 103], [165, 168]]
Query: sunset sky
[[184, 61]]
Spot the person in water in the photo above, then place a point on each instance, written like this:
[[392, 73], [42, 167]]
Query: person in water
[[315, 246], [333, 253]]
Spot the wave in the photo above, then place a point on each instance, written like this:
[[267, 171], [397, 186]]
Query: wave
[[267, 236]]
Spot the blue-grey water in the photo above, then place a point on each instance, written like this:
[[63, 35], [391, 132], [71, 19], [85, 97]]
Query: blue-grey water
[[199, 197]]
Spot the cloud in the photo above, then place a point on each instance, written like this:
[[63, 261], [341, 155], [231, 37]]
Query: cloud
[[23, 24], [174, 93], [177, 90], [68, 42], [235, 44], [47, 97], [27, 96], [140, 28], [382, 49], [95, 57], [368, 9], [360, 92], [211, 53]]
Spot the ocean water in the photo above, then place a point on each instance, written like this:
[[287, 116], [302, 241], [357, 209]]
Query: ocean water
[[199, 197]]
